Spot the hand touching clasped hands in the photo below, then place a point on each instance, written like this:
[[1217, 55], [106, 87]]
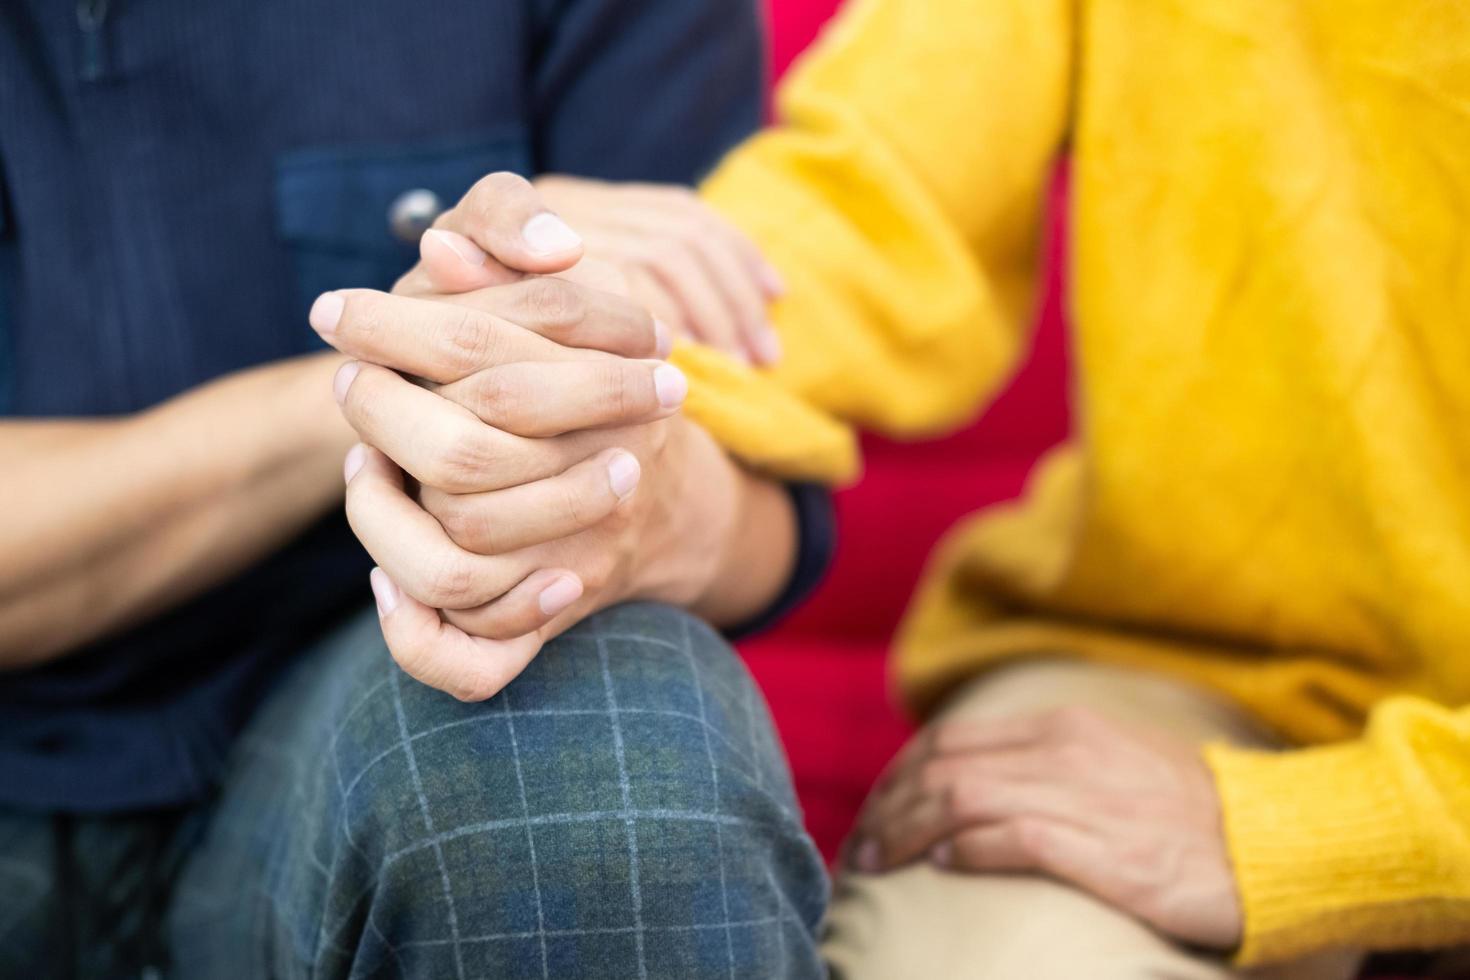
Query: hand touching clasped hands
[[1132, 817], [680, 258], [522, 463]]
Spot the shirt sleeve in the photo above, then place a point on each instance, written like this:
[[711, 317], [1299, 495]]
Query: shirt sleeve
[[1364, 844], [644, 89]]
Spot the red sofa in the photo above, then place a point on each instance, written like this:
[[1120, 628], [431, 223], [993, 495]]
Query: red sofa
[[824, 670]]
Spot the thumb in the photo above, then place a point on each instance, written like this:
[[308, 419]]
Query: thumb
[[451, 263], [441, 655], [505, 216]]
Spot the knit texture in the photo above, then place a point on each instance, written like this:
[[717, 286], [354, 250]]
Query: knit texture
[[1362, 842], [1268, 492]]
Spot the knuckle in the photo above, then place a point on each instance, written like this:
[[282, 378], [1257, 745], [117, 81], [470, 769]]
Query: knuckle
[[489, 189], [684, 229], [441, 472], [506, 620], [1072, 721], [596, 575], [361, 404], [495, 396], [451, 515], [554, 302], [507, 180], [1072, 755], [655, 438], [466, 526], [670, 252], [932, 777], [967, 799], [571, 505], [617, 387], [363, 313], [946, 736], [471, 687], [619, 522], [450, 584], [471, 338], [409, 657], [467, 456], [1033, 838]]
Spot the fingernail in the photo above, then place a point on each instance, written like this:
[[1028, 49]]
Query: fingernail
[[468, 252], [943, 854], [772, 282], [622, 474], [663, 339], [670, 385], [866, 857], [356, 456], [547, 234], [384, 591], [767, 346], [326, 312], [343, 380], [560, 594]]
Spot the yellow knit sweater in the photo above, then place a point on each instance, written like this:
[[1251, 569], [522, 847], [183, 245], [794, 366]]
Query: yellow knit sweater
[[1269, 491]]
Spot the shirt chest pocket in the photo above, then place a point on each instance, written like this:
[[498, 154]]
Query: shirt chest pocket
[[352, 217]]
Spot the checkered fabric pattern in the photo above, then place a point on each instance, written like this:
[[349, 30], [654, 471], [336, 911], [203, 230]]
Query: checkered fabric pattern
[[622, 810]]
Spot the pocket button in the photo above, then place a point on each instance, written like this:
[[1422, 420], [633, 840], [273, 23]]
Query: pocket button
[[412, 213]]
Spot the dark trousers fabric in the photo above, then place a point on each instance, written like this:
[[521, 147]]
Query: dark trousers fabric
[[622, 810]]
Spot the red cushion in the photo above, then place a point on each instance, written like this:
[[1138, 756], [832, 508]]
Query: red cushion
[[824, 671]]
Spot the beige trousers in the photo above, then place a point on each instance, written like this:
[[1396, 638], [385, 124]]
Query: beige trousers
[[926, 924]]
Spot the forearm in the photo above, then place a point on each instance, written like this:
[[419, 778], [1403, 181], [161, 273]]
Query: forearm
[[107, 522], [720, 540]]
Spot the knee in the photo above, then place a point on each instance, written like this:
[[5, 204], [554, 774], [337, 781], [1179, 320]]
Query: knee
[[673, 792], [640, 708], [656, 712], [630, 781]]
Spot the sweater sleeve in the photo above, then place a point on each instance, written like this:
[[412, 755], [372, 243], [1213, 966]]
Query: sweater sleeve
[[1363, 844], [900, 196]]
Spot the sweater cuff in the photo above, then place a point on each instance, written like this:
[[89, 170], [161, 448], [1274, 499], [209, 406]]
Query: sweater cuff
[[762, 424], [1324, 849]]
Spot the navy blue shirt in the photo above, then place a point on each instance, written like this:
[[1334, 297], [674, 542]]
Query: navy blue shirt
[[178, 178]]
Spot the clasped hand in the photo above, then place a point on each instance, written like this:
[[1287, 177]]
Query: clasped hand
[[520, 445]]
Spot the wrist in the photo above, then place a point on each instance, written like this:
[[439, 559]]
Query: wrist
[[691, 518], [758, 559], [731, 537]]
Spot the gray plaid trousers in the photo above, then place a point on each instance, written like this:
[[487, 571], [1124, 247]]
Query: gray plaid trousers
[[622, 810]]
